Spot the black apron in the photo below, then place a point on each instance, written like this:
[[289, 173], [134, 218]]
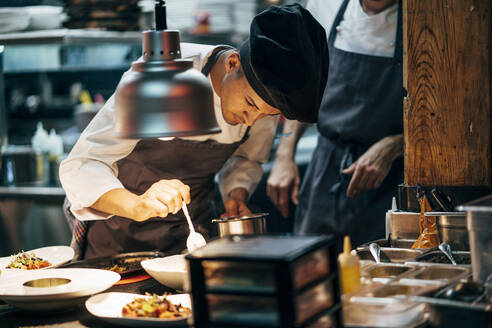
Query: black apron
[[362, 103], [195, 163]]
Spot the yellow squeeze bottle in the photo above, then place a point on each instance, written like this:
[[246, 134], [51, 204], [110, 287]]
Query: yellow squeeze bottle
[[349, 267]]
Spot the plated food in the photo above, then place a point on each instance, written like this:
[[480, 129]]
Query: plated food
[[109, 307], [153, 306], [27, 261], [39, 258]]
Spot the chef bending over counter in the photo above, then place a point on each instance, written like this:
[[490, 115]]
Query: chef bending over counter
[[125, 195]]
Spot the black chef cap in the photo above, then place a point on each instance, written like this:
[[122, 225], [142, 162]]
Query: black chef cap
[[285, 60]]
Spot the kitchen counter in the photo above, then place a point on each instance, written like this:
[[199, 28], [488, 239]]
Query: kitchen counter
[[74, 318], [54, 193]]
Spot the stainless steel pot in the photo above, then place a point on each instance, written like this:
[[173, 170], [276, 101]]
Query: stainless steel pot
[[22, 165], [252, 224], [451, 228]]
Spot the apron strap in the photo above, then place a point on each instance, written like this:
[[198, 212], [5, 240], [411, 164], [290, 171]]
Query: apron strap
[[219, 50], [336, 22]]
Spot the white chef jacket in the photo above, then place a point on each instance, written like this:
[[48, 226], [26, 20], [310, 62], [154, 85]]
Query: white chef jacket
[[358, 32], [90, 170]]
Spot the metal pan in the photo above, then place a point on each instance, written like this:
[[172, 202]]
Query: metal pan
[[126, 264]]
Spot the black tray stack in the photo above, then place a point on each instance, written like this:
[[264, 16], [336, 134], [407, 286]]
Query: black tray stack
[[266, 281]]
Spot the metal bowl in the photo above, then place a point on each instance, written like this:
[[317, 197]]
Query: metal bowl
[[451, 227], [252, 224]]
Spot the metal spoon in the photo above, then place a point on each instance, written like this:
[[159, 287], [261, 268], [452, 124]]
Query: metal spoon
[[375, 251], [446, 249], [195, 240]]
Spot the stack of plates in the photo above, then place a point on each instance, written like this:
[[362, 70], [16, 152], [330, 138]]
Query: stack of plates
[[103, 14], [13, 19]]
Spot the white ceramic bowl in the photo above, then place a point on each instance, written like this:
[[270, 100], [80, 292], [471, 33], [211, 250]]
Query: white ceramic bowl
[[171, 271]]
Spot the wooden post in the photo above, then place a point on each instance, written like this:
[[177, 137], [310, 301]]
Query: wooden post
[[447, 74]]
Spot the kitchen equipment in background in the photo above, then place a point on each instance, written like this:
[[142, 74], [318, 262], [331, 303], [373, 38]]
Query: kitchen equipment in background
[[437, 256], [404, 225], [22, 165], [446, 249], [163, 95], [462, 304], [451, 228], [375, 252], [278, 281], [444, 202], [479, 226], [251, 224], [398, 255]]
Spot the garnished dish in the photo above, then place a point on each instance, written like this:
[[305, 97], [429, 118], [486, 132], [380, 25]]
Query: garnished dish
[[27, 261], [153, 306]]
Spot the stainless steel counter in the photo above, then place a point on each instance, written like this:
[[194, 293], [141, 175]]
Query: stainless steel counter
[[32, 192]]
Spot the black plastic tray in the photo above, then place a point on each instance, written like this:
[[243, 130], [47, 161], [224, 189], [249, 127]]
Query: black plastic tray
[[129, 262]]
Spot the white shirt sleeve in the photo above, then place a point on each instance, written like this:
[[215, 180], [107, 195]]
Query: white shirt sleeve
[[244, 169], [90, 170]]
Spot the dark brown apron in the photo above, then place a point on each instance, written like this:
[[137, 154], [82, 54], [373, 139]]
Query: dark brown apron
[[362, 103], [195, 163]]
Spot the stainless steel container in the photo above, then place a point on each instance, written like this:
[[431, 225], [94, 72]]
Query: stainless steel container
[[479, 225], [22, 165], [252, 224], [451, 227]]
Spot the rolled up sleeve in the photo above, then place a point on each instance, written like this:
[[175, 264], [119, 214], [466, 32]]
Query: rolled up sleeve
[[90, 170], [243, 169]]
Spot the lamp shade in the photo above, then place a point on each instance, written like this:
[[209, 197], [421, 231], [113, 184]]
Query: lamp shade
[[163, 95]]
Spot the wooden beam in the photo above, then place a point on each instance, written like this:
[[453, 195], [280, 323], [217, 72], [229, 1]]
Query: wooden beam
[[447, 74]]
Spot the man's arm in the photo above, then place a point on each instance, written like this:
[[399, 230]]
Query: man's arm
[[284, 176], [370, 169], [242, 172]]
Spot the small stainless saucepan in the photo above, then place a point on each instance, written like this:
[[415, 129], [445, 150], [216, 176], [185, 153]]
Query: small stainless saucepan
[[251, 224]]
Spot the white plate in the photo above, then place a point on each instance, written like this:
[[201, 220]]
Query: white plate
[[108, 307], [69, 286], [56, 255], [171, 271]]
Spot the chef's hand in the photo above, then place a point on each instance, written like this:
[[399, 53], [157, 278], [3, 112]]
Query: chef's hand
[[162, 198], [235, 204], [370, 169], [283, 181]]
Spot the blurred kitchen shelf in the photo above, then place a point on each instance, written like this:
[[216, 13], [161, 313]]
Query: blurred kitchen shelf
[[70, 36]]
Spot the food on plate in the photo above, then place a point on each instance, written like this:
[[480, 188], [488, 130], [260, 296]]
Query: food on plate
[[117, 268], [153, 306], [27, 261]]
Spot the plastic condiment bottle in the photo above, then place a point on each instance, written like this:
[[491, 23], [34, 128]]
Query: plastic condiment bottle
[[349, 267]]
